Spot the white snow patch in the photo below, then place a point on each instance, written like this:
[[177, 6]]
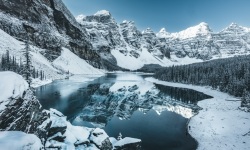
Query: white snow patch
[[12, 85], [37, 82], [221, 124], [129, 62], [80, 18], [15, 140], [200, 29], [68, 61], [99, 137], [102, 13], [125, 141]]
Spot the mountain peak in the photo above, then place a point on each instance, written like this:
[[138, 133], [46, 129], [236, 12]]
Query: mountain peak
[[200, 29], [203, 24], [233, 24], [163, 30], [234, 27], [102, 13], [80, 18], [148, 30], [163, 33]]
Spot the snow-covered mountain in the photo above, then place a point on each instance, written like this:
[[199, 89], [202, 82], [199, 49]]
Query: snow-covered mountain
[[130, 48], [123, 43], [201, 42], [103, 43]]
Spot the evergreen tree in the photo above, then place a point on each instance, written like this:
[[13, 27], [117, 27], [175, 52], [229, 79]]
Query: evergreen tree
[[27, 67], [231, 75]]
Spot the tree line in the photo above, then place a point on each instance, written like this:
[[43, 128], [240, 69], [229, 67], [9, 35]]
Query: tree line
[[22, 67], [230, 75]]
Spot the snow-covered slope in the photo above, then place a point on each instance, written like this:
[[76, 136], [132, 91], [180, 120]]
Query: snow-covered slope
[[69, 62], [16, 140], [201, 29], [16, 47], [11, 86]]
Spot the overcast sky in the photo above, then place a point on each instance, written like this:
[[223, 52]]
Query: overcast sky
[[174, 15]]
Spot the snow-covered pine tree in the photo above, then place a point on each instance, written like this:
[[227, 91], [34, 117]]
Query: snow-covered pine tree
[[27, 67], [246, 99]]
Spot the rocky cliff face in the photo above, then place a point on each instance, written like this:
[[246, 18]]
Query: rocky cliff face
[[122, 41], [201, 43], [49, 25]]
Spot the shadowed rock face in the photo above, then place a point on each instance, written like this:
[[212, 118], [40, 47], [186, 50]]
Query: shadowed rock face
[[107, 35], [23, 114], [49, 25]]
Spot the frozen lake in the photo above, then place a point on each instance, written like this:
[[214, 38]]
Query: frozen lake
[[125, 103]]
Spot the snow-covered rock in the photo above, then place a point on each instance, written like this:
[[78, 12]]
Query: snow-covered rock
[[100, 138], [16, 140], [128, 143], [21, 111], [12, 86]]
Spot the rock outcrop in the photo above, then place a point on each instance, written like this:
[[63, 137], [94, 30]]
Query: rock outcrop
[[21, 111]]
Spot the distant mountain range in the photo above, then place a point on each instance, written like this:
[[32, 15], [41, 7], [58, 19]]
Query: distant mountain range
[[104, 44]]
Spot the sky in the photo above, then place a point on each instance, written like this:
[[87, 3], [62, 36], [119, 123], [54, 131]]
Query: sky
[[174, 15]]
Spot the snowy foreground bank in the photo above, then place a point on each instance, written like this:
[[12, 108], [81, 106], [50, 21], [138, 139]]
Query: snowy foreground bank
[[49, 129], [220, 125]]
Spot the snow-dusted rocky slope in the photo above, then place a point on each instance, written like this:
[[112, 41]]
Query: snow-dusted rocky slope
[[123, 43], [200, 42], [105, 44], [67, 61], [50, 26], [21, 111], [132, 49]]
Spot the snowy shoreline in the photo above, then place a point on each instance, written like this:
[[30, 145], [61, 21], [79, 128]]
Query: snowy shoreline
[[220, 124]]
